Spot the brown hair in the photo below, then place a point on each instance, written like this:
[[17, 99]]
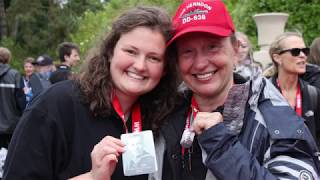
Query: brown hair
[[5, 55], [95, 78], [238, 35], [314, 56], [66, 48], [28, 60]]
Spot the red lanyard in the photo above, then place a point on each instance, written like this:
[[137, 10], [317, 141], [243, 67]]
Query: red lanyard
[[299, 102], [298, 107], [135, 115], [192, 113], [194, 109]]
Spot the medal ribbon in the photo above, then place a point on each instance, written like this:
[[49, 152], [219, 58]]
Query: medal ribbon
[[135, 115], [298, 107], [194, 109]]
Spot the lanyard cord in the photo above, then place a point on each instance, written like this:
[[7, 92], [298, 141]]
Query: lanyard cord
[[298, 106], [192, 113], [135, 115]]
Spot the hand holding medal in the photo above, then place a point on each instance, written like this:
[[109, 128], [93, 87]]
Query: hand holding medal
[[205, 120], [197, 122], [104, 157], [202, 122]]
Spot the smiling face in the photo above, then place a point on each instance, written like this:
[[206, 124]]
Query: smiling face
[[28, 69], [288, 63], [138, 61], [206, 63]]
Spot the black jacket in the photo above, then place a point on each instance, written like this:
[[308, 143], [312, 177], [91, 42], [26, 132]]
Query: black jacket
[[62, 73], [36, 85], [56, 135], [12, 98], [312, 75]]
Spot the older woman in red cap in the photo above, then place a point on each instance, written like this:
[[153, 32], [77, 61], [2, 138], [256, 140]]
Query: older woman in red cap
[[227, 127]]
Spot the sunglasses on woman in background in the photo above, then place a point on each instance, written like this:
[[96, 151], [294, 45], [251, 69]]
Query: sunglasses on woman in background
[[296, 51]]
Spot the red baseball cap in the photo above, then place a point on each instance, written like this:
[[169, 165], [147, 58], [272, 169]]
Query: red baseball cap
[[209, 16]]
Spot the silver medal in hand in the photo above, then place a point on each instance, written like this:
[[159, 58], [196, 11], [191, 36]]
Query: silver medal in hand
[[187, 138]]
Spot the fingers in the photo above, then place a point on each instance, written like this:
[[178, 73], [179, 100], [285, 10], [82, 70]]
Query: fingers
[[197, 127], [111, 158], [108, 147], [205, 120], [104, 157], [113, 142]]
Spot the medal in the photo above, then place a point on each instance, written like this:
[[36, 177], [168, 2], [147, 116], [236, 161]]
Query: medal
[[139, 156], [187, 138]]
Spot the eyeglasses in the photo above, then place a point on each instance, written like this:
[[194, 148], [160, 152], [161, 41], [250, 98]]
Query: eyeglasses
[[296, 51]]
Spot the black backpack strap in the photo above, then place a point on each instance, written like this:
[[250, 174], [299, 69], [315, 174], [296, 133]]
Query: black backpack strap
[[313, 96], [314, 101]]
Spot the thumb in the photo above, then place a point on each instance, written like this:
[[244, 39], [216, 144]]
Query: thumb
[[198, 127]]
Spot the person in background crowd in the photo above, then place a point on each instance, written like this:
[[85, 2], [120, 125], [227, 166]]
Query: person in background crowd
[[44, 68], [314, 57], [11, 97], [243, 129], [289, 55], [244, 64], [28, 72], [69, 57], [127, 83], [312, 74]]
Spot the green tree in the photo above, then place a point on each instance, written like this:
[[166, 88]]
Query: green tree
[[3, 24], [37, 26], [92, 25], [4, 4], [303, 15]]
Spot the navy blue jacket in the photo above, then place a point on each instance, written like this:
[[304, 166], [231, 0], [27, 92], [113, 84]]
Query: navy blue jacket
[[310, 111]]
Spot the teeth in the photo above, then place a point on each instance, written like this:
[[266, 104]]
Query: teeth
[[204, 76], [135, 76]]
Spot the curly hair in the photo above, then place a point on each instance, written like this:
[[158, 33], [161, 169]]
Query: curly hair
[[95, 78]]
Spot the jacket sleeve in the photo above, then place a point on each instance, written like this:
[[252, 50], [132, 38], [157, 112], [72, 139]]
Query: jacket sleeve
[[35, 149], [315, 80], [317, 117], [228, 159], [19, 93]]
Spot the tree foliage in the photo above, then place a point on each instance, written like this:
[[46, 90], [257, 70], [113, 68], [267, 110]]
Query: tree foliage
[[37, 26], [94, 25], [303, 15]]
